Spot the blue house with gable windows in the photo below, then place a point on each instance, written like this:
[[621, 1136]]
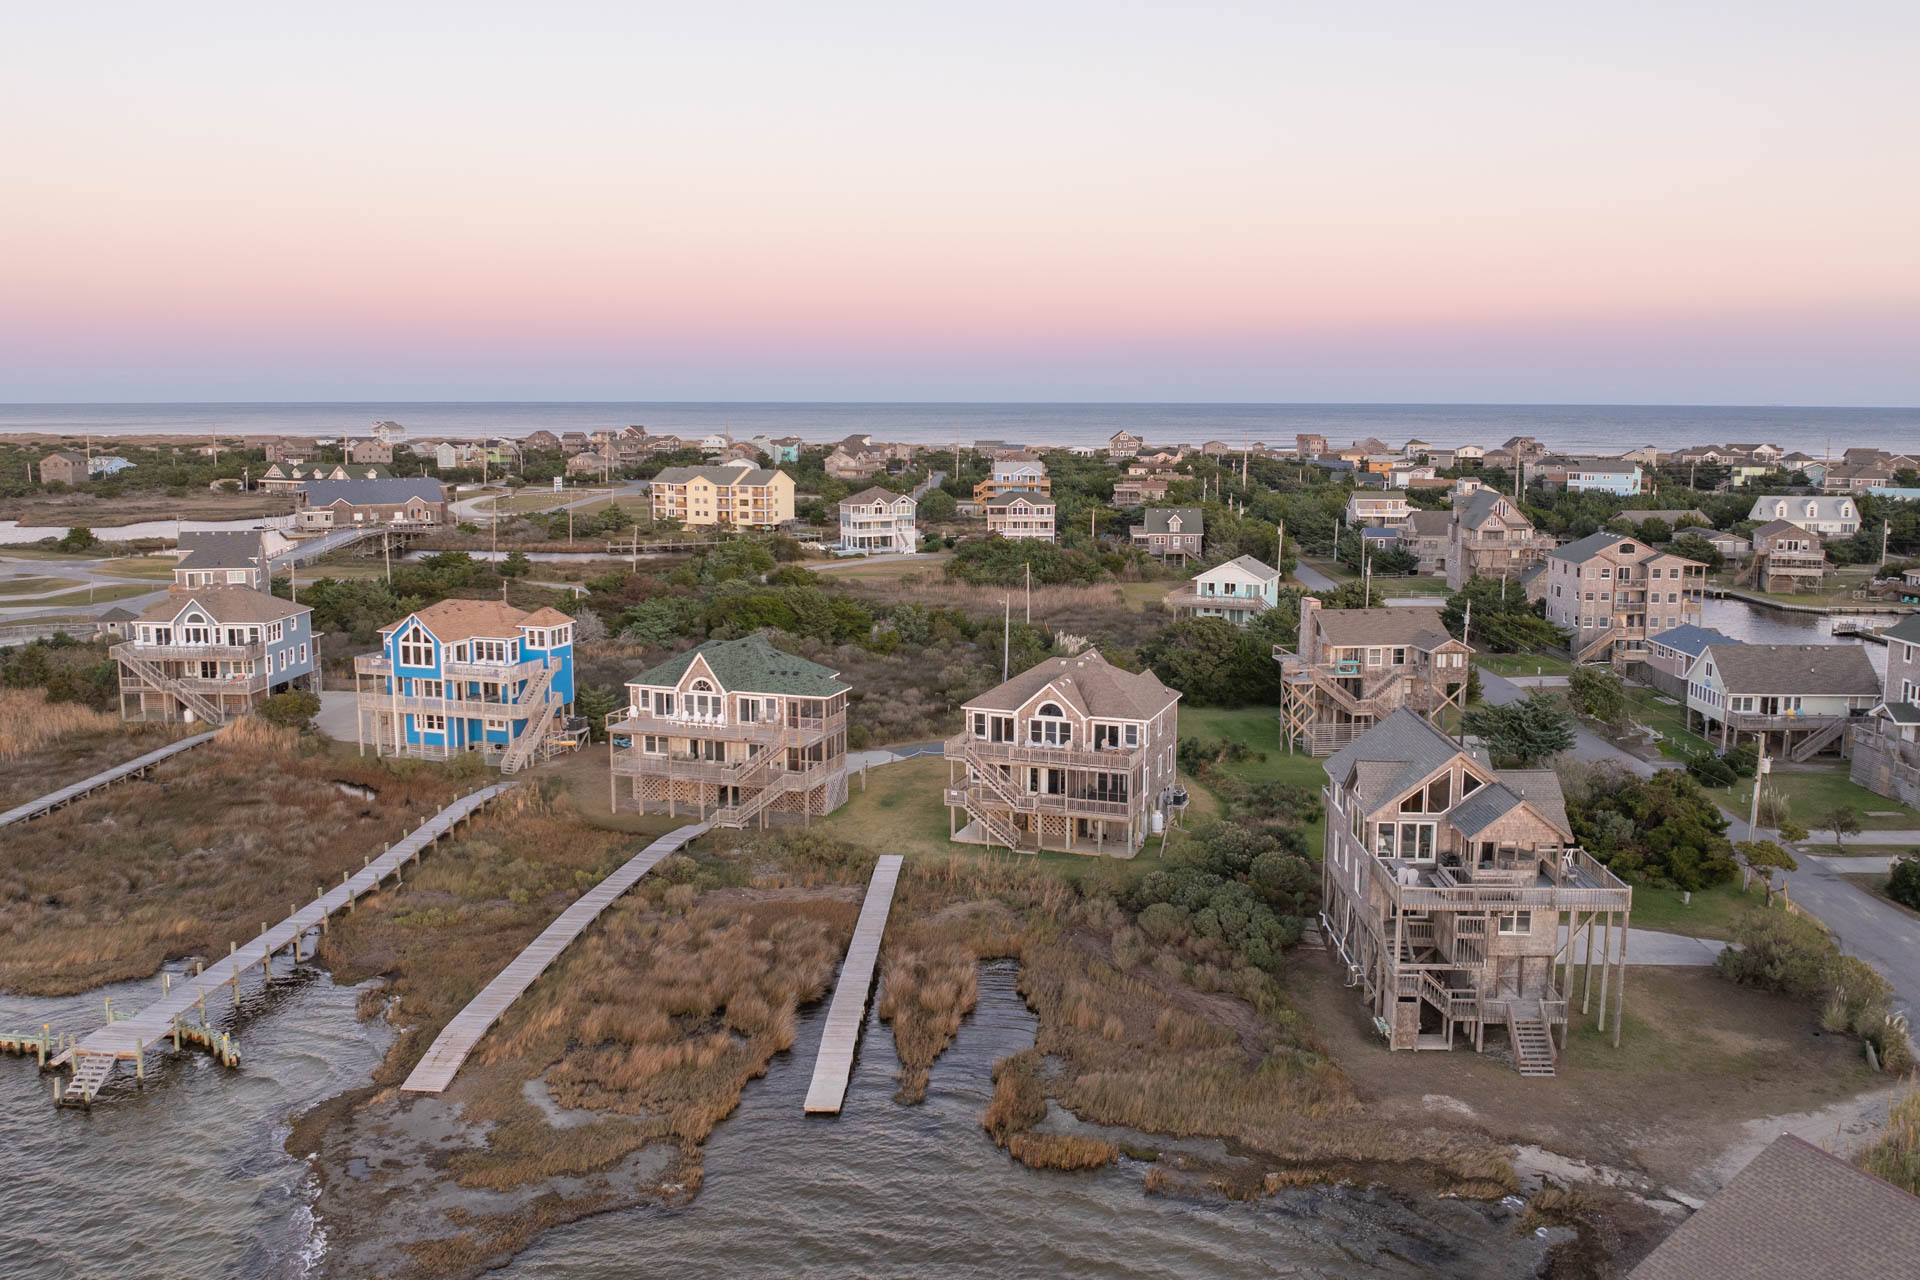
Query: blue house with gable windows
[[471, 675]]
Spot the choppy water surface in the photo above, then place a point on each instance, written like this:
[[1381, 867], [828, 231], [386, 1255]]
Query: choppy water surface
[[188, 1176]]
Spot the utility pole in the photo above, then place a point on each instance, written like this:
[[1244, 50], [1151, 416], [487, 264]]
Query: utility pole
[[1753, 813], [1280, 545], [1029, 617], [1466, 630], [1006, 637], [1886, 528]]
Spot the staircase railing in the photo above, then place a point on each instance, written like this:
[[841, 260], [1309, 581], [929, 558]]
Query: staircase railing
[[160, 680], [1808, 746], [521, 750]]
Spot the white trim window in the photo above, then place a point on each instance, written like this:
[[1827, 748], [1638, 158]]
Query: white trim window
[[431, 723], [415, 648], [1516, 922]]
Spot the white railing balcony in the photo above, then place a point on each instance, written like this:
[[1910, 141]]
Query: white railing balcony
[[190, 652]]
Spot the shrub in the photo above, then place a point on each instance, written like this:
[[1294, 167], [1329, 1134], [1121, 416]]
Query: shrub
[[1778, 951], [1743, 760], [294, 709], [1597, 692], [1711, 771], [1903, 882]]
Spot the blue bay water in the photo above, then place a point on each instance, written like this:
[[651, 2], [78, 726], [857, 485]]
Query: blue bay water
[[1579, 428]]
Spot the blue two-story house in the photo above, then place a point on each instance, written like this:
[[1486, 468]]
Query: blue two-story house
[[470, 675]]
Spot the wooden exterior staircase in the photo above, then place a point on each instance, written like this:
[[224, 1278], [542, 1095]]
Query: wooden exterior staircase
[[520, 751], [738, 815], [1533, 1051], [1820, 739], [987, 777], [201, 706]]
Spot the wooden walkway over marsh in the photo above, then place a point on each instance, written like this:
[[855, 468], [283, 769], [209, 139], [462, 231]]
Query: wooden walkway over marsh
[[67, 795], [95, 1056], [443, 1059], [834, 1065]]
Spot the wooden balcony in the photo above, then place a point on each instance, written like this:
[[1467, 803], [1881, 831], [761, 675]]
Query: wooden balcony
[[1116, 760], [191, 652], [1184, 598], [1095, 807]]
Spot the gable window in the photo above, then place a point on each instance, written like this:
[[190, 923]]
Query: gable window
[[1049, 727], [415, 649], [703, 702]]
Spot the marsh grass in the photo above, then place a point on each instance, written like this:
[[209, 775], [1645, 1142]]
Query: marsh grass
[[1895, 1156], [199, 853]]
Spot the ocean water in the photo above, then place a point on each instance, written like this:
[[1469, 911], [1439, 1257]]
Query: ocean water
[[1579, 428]]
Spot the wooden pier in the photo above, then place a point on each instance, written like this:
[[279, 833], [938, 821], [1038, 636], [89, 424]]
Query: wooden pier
[[834, 1064], [436, 1069], [67, 795], [94, 1057]]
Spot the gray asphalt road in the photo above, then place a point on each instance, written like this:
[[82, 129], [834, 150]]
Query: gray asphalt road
[[1313, 579]]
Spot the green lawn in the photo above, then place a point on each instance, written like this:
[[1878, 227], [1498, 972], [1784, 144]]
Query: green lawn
[[1711, 914], [1523, 664], [1332, 568], [98, 595], [153, 568], [1670, 718], [1258, 729], [34, 585], [1412, 586], [1812, 792]]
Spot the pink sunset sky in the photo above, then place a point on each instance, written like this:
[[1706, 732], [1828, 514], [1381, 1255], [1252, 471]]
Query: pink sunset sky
[[1070, 201]]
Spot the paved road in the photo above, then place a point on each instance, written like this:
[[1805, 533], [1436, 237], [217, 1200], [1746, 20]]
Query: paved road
[[1650, 946], [1312, 579], [849, 562], [1877, 932]]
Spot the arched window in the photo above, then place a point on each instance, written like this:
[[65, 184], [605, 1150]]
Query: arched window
[[1049, 726], [702, 701]]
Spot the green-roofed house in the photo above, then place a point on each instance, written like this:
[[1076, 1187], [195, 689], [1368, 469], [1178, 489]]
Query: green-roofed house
[[736, 732]]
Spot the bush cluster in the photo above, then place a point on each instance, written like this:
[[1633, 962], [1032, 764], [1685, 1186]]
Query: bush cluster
[[1250, 891], [1785, 952]]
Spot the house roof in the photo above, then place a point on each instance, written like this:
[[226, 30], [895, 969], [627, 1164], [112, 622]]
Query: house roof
[[1481, 505], [750, 664], [1794, 668], [1247, 564], [1690, 639], [1159, 519], [1089, 683], [221, 549], [63, 455], [1898, 712], [452, 621], [723, 476], [1794, 1211], [1020, 495], [1415, 625], [872, 493], [1826, 506], [1482, 809], [1392, 756], [1591, 545], [1907, 629], [1541, 789], [1430, 524], [226, 604], [1774, 528], [384, 491]]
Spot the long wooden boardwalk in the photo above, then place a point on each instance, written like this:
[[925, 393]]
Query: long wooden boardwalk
[[67, 795], [94, 1057], [848, 1011], [435, 1071]]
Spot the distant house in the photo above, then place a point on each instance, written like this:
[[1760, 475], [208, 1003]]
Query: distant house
[[1624, 479], [1424, 534], [1806, 694], [587, 464], [227, 558], [332, 504], [370, 451], [1886, 749], [543, 440], [1376, 509], [779, 448], [1525, 448], [878, 521], [1124, 444], [63, 467], [846, 463], [1730, 545], [388, 433], [1215, 449], [1018, 515], [106, 464], [734, 494], [1014, 473], [1787, 557], [1309, 444], [289, 476], [1612, 591], [1672, 519], [1851, 479], [1673, 651], [1171, 531], [1403, 476], [1240, 590], [1831, 516], [1135, 491]]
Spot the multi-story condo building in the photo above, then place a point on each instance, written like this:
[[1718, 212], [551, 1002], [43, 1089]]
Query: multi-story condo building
[[879, 522], [1374, 508], [1352, 668], [735, 731], [1240, 590], [1014, 472], [1791, 699], [1021, 515], [1886, 748], [1073, 754], [1787, 557], [1171, 531], [209, 653], [1457, 900], [1824, 514], [1489, 537], [470, 675], [734, 495], [1611, 592]]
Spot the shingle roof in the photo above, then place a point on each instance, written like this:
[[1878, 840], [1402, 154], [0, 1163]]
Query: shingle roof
[[1898, 712], [1087, 681], [220, 549], [1590, 546], [1690, 639], [1482, 809], [452, 621], [873, 493], [1416, 625], [1191, 519], [1794, 1212], [1259, 569], [1480, 507], [750, 664], [1429, 524], [1826, 506], [1794, 669], [723, 476], [1774, 528], [1391, 756], [1020, 495], [1541, 789], [226, 604], [389, 491], [1907, 629]]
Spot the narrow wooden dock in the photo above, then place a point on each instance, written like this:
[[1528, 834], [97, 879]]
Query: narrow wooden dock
[[95, 1056], [436, 1069], [847, 1013], [67, 795]]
